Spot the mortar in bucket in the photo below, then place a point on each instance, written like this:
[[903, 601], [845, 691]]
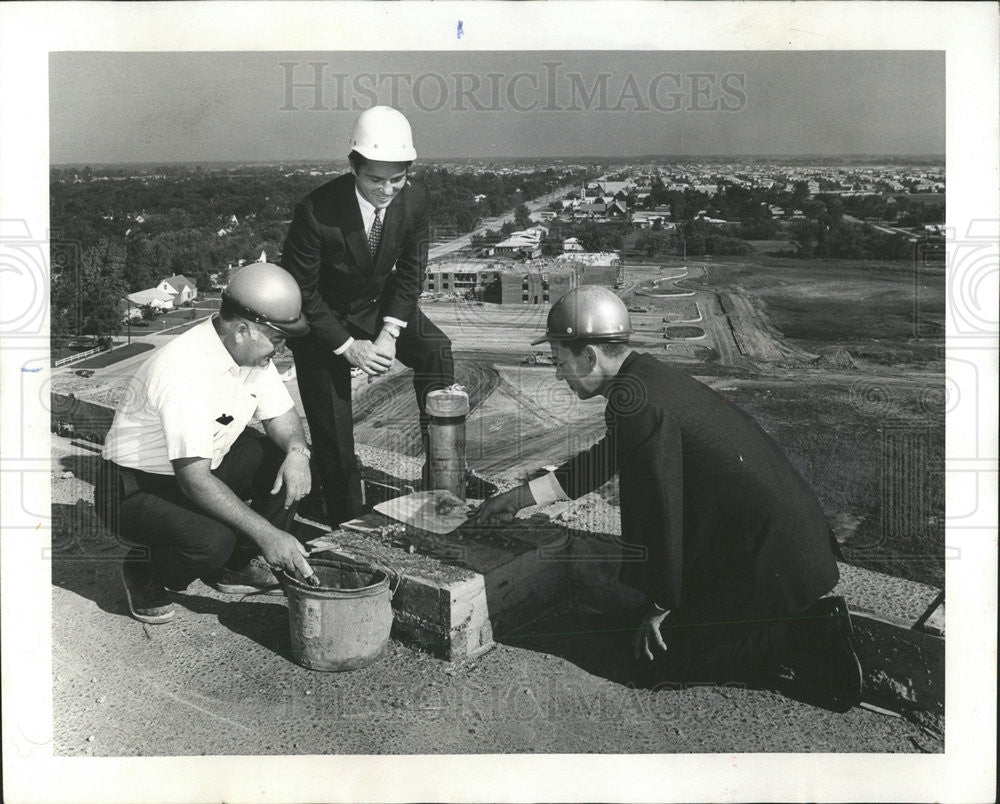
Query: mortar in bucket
[[343, 623]]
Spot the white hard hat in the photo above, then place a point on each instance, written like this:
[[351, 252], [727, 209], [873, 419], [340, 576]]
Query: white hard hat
[[383, 134]]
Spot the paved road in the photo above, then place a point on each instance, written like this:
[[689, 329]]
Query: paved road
[[892, 230], [444, 249]]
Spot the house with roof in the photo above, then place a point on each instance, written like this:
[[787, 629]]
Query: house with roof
[[151, 297], [650, 220], [542, 215], [525, 244], [181, 288], [616, 209]]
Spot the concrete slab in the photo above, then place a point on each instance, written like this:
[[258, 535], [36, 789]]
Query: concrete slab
[[220, 678], [454, 597]]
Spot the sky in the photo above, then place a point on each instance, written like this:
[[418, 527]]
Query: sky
[[116, 107]]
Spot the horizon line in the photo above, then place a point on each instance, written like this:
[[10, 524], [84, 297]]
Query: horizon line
[[419, 160]]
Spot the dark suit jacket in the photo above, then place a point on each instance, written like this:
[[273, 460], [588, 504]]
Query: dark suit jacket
[[718, 508], [327, 252]]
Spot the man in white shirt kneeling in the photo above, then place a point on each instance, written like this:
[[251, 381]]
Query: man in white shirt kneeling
[[180, 460]]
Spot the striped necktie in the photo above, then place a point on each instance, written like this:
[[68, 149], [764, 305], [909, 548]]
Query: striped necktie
[[376, 233]]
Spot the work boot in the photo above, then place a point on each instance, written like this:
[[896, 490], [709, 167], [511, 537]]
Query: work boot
[[147, 599], [254, 577], [823, 666]]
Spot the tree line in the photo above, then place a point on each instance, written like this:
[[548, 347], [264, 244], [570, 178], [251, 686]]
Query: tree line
[[115, 233]]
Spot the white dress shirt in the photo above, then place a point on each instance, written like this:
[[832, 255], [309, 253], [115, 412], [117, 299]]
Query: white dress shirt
[[191, 400]]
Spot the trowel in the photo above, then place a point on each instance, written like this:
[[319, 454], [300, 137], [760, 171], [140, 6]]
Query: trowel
[[438, 511]]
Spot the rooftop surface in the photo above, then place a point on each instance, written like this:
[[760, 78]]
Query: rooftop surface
[[219, 679]]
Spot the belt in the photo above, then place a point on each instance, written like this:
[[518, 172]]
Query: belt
[[130, 485], [128, 480]]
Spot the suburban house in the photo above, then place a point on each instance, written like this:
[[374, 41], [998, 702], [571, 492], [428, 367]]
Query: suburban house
[[151, 297], [648, 220], [171, 293], [180, 287], [572, 244], [520, 244], [617, 209], [543, 215]]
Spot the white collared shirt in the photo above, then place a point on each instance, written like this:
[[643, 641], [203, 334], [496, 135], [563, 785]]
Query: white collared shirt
[[191, 400], [368, 210]]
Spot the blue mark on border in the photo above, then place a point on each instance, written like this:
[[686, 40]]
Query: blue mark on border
[[31, 371], [460, 31]]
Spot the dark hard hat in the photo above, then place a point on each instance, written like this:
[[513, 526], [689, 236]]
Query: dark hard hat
[[588, 313], [269, 295]]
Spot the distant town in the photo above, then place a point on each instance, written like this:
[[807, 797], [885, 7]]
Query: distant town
[[502, 231]]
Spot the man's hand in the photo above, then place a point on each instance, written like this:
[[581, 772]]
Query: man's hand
[[648, 637], [366, 357], [284, 551], [385, 345], [295, 476], [501, 508]]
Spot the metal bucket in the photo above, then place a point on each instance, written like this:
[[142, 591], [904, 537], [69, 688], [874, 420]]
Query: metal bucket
[[343, 623]]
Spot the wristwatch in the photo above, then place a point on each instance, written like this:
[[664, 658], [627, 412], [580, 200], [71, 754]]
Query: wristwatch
[[392, 330], [302, 450]]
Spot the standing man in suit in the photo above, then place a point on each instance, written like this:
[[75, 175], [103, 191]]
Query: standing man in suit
[[357, 246], [736, 551]]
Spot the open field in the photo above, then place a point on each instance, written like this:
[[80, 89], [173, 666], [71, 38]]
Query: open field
[[883, 312]]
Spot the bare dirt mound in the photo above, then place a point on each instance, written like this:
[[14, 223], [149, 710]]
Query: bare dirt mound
[[385, 413], [685, 332], [529, 421], [756, 337]]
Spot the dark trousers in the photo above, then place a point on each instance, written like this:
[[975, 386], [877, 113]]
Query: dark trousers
[[709, 651], [325, 387], [184, 542], [716, 638]]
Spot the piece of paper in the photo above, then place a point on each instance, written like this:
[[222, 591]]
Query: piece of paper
[[435, 511]]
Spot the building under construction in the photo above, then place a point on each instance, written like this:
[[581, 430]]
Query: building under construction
[[530, 282]]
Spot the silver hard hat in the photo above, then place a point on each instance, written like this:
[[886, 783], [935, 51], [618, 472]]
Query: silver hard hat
[[589, 313], [269, 295]]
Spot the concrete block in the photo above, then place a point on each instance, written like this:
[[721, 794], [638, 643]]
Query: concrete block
[[455, 592], [450, 621], [438, 607]]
